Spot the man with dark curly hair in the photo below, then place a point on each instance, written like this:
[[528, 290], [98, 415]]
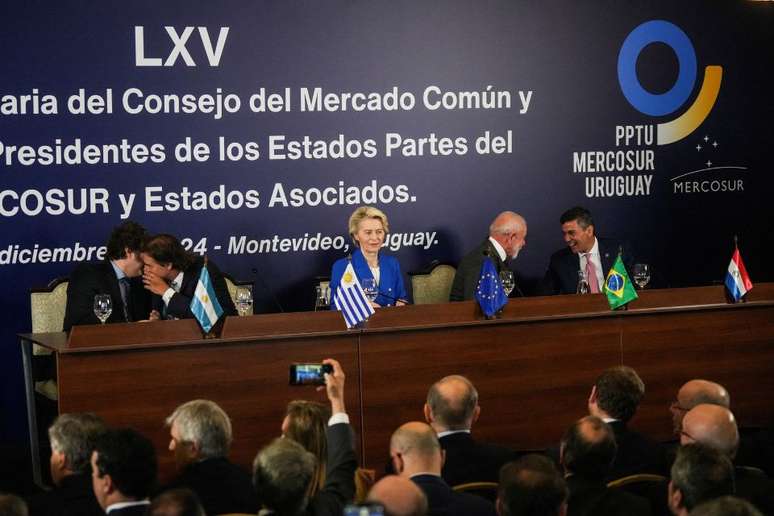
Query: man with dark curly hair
[[117, 276]]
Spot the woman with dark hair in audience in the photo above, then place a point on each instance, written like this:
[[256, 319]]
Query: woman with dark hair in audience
[[305, 422]]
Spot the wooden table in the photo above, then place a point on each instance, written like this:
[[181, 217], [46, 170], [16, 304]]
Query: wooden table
[[533, 366]]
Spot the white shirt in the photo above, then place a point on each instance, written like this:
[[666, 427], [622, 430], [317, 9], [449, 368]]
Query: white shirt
[[596, 260], [499, 249], [451, 432], [121, 505], [174, 288]]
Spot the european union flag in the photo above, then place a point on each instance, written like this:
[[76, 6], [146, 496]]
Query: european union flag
[[490, 293]]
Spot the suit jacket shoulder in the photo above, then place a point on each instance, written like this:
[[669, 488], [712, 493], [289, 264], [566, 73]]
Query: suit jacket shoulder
[[636, 453], [442, 500], [468, 460], [469, 270], [222, 487], [339, 487], [90, 279], [73, 497]]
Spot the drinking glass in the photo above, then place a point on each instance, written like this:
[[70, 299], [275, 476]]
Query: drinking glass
[[103, 307], [641, 274], [508, 281], [583, 284], [370, 288], [244, 301]]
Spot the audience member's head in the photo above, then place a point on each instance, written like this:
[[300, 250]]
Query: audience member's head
[[588, 448], [176, 502], [726, 506], [696, 392], [123, 467], [414, 448], [72, 438], [452, 404], [531, 486], [12, 505], [305, 422], [699, 474], [124, 246], [399, 496], [282, 472], [199, 430], [713, 426], [616, 394]]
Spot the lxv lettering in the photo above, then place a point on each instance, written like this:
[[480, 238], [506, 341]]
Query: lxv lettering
[[179, 48]]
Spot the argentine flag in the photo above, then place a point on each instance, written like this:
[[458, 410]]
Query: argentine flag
[[204, 304], [737, 280], [351, 300]]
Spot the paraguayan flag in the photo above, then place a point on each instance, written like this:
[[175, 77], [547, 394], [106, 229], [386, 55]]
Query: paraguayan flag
[[205, 305], [351, 300]]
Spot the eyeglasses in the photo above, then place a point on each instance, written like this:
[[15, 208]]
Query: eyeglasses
[[688, 436], [675, 405]]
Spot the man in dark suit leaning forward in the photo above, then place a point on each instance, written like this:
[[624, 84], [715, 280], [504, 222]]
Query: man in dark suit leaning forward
[[584, 252], [118, 276], [172, 273], [507, 235]]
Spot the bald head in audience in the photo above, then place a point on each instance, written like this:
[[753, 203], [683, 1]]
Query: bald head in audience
[[588, 448], [414, 448], [713, 426], [452, 404], [399, 496], [12, 505], [697, 392]]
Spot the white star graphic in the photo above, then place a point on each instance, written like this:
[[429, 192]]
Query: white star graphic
[[709, 164], [698, 148]]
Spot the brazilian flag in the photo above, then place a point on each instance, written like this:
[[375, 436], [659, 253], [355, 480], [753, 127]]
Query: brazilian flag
[[618, 286]]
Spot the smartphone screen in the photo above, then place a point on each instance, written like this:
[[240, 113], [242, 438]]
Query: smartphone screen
[[308, 374], [364, 510]]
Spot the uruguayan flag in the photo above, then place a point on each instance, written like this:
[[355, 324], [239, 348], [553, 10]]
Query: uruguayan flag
[[351, 300], [204, 304]]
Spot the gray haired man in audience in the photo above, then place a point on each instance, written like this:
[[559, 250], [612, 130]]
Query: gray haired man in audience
[[72, 438], [699, 474], [200, 438]]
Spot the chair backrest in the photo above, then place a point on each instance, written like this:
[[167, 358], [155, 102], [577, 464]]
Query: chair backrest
[[232, 285], [639, 478], [486, 490], [433, 284], [47, 306], [645, 485]]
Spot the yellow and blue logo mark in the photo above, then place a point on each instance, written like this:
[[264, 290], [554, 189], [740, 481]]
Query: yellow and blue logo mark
[[660, 31]]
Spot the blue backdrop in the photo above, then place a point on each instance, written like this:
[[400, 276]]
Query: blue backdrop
[[279, 117]]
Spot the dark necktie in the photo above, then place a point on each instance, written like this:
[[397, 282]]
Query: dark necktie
[[125, 291]]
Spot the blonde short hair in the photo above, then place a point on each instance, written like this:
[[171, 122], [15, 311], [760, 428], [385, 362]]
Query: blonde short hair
[[366, 212]]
